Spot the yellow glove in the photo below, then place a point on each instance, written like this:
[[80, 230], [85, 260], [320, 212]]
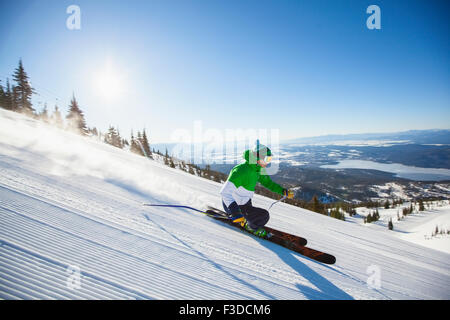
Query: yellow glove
[[288, 193]]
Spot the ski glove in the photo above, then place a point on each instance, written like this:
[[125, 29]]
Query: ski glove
[[238, 218], [288, 193]]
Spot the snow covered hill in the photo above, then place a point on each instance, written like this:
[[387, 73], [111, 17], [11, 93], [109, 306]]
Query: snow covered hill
[[73, 227], [418, 227]]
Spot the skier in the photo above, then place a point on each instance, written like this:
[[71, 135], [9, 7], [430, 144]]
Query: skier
[[238, 190]]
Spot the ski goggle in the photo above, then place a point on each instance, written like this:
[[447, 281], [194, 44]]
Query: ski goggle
[[267, 159]]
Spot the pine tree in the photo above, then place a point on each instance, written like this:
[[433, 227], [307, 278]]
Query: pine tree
[[146, 145], [337, 214], [421, 206], [134, 147], [94, 131], [44, 114], [405, 212], [119, 140], [107, 139], [171, 163], [138, 141], [2, 96], [377, 215], [9, 101], [23, 90], [390, 224], [316, 205], [5, 96], [109, 136], [113, 137], [75, 118], [56, 118], [373, 216], [166, 158]]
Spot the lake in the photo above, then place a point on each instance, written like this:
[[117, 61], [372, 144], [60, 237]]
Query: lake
[[400, 170]]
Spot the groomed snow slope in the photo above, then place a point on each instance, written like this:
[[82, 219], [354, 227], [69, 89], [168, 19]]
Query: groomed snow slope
[[68, 202]]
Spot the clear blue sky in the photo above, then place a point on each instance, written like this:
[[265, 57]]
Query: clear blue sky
[[305, 67]]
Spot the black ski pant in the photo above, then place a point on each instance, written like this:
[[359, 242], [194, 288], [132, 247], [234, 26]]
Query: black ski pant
[[256, 217]]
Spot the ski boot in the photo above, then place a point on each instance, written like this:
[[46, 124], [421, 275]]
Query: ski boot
[[260, 232]]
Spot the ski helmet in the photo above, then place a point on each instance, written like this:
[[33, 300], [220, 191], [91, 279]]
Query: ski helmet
[[262, 152]]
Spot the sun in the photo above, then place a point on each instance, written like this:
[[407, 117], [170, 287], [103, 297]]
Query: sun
[[108, 83]]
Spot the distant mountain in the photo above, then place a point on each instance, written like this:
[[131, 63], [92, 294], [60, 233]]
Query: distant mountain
[[419, 137], [435, 136], [305, 164]]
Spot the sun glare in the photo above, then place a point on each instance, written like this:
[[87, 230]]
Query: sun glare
[[108, 84]]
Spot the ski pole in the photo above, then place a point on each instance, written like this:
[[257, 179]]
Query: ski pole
[[185, 207], [276, 202]]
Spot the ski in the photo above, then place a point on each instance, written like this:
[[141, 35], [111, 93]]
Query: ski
[[289, 241], [286, 238]]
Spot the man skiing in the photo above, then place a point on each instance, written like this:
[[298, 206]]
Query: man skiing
[[238, 190]]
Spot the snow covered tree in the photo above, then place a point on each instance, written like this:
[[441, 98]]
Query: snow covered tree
[[22, 91], [93, 131], [134, 146], [113, 137], [75, 118]]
